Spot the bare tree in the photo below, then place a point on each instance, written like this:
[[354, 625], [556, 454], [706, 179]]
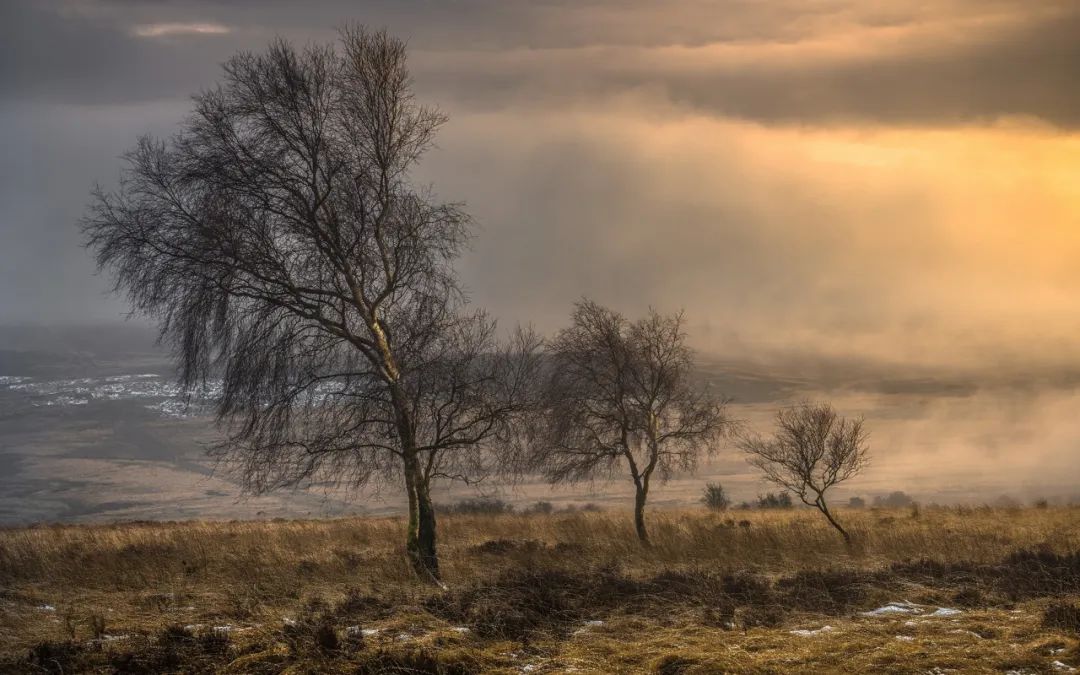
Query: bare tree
[[278, 242], [621, 392], [812, 449]]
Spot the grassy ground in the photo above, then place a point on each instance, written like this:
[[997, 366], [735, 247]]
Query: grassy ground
[[551, 593]]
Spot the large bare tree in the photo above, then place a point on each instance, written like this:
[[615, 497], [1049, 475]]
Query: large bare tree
[[812, 449], [280, 245], [620, 396]]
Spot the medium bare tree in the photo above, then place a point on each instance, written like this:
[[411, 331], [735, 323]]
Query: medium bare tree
[[812, 449], [620, 396], [278, 242]]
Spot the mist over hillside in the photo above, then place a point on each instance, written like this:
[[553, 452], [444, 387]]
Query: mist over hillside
[[93, 427]]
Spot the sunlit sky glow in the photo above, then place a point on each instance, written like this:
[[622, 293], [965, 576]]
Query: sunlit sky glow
[[163, 29], [890, 181]]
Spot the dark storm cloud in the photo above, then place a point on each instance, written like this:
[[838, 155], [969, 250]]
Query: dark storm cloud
[[72, 58], [943, 62]]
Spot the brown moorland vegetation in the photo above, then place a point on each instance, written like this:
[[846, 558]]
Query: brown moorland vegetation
[[975, 590]]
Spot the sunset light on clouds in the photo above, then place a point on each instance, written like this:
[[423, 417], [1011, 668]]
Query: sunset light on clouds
[[897, 179], [894, 184]]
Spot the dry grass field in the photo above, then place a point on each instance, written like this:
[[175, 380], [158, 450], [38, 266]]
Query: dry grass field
[[973, 590]]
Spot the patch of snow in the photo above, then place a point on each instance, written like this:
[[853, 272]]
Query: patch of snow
[[910, 624], [167, 397], [895, 608], [589, 624], [960, 631], [46, 608], [192, 627], [905, 638], [528, 667], [403, 637], [357, 631], [291, 623], [810, 633], [945, 611], [1055, 652], [110, 638], [911, 608], [1058, 665], [460, 629], [68, 400]]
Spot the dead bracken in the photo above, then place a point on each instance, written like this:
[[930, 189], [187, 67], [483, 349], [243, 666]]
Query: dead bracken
[[554, 592]]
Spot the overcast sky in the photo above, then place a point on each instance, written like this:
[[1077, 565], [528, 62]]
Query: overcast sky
[[894, 181]]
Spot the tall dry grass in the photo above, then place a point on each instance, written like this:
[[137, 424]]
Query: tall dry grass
[[67, 583], [141, 555]]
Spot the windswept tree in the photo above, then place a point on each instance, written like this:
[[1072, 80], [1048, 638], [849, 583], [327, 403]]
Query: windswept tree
[[620, 396], [279, 244], [812, 449]]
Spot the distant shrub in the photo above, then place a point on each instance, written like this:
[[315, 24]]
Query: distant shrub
[[856, 503], [778, 500], [587, 507], [894, 500], [714, 497], [478, 506], [540, 508], [1006, 502], [1042, 504]]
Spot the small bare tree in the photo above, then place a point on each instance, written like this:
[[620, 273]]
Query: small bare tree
[[280, 245], [812, 449], [621, 391]]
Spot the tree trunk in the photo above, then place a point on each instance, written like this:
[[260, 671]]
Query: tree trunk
[[420, 541], [825, 510], [640, 494]]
